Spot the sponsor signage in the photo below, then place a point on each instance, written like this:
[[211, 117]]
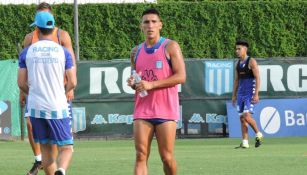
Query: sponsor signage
[[208, 85], [100, 119], [274, 117], [78, 119], [205, 78], [218, 77], [5, 120]]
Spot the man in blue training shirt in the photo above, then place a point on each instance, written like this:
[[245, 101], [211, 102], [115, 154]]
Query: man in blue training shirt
[[42, 66], [245, 92]]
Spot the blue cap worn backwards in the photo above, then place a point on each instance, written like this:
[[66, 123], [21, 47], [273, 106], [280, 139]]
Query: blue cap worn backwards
[[44, 20]]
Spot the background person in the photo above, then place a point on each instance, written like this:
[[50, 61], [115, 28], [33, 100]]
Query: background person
[[245, 92]]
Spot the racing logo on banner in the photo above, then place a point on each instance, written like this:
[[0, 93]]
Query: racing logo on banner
[[78, 119], [218, 77], [5, 119]]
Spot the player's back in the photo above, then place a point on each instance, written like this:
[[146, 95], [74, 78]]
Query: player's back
[[46, 62]]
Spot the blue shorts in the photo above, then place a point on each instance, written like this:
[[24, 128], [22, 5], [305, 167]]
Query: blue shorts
[[244, 104], [52, 131], [155, 121]]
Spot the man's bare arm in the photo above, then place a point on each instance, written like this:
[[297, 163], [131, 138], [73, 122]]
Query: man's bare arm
[[66, 42], [71, 79], [254, 66], [235, 87], [130, 80], [27, 40], [22, 80], [178, 66]]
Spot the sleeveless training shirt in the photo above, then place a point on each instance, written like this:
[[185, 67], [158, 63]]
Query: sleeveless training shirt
[[160, 103], [246, 78], [55, 36]]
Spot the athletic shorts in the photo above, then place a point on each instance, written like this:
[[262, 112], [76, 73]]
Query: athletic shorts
[[244, 104], [52, 131], [155, 121]]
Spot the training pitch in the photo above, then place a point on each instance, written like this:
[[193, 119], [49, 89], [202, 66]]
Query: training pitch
[[277, 156]]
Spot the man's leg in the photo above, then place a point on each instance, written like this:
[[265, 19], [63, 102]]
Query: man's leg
[[49, 162], [60, 132], [244, 124], [251, 121], [166, 135], [35, 148], [64, 157], [244, 128], [65, 152], [143, 133]]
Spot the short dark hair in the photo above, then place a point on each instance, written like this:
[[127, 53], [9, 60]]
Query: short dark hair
[[242, 43], [45, 31], [151, 11], [43, 5]]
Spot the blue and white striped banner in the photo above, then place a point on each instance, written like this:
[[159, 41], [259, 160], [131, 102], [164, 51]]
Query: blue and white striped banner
[[218, 77], [78, 119]]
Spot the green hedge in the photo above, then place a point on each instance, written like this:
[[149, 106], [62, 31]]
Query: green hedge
[[203, 29]]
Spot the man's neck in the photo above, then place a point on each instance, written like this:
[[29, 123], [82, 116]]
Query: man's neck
[[243, 58], [150, 42], [45, 37]]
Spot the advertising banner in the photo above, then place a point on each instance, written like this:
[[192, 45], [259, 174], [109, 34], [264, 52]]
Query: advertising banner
[[9, 93], [103, 118], [283, 78], [5, 120], [116, 118], [103, 102], [274, 117]]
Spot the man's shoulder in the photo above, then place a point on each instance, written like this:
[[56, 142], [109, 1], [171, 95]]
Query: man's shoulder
[[171, 44], [64, 38], [28, 39], [252, 61], [64, 34], [62, 31], [30, 34]]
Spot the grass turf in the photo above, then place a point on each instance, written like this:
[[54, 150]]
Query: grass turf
[[277, 156]]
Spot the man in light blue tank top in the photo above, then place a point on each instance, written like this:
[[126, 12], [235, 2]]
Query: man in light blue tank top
[[245, 92]]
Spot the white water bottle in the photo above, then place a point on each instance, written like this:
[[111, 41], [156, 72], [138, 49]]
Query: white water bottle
[[137, 78]]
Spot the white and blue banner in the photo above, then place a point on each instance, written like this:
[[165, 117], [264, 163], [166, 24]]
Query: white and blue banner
[[218, 77], [274, 118], [78, 119], [5, 120]]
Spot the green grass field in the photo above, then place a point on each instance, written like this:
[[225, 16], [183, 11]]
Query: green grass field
[[277, 156]]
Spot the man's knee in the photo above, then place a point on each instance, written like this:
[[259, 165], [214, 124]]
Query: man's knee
[[243, 121], [141, 155], [167, 159], [242, 118], [63, 148]]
